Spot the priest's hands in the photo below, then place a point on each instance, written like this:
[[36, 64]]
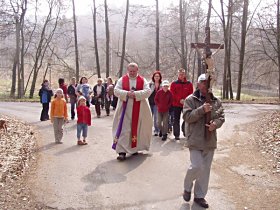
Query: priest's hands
[[131, 94]]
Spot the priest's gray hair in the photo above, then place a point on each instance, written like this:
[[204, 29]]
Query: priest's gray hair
[[132, 65]]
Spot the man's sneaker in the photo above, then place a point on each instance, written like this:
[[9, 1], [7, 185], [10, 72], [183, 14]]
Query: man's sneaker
[[177, 138], [201, 202], [160, 134], [164, 137], [187, 196]]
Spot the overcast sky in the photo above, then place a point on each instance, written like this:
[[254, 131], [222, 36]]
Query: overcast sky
[[84, 6]]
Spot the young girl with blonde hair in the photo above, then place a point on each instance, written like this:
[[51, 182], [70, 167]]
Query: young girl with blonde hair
[[59, 115]]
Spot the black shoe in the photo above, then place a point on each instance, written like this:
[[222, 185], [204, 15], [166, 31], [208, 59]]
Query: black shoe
[[121, 156], [164, 137], [177, 138], [187, 196], [160, 134], [201, 202], [155, 134]]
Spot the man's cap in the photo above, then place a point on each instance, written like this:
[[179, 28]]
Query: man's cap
[[165, 83], [202, 77]]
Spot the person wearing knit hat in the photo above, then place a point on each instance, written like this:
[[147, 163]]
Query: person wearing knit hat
[[84, 120], [59, 115], [163, 100]]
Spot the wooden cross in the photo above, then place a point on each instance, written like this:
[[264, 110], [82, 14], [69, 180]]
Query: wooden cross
[[208, 65]]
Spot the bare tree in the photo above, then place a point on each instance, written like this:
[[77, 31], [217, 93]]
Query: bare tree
[[157, 36], [50, 26], [227, 27], [19, 11], [278, 43], [107, 39], [269, 39], [124, 38], [95, 40], [183, 33], [242, 47], [76, 42]]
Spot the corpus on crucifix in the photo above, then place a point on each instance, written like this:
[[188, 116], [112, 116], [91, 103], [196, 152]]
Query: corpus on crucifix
[[204, 51]]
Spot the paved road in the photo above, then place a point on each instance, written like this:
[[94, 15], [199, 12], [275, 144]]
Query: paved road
[[90, 177]]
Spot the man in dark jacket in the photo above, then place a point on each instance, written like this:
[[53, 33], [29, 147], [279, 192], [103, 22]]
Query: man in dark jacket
[[45, 94], [201, 148], [71, 91], [180, 89], [98, 97]]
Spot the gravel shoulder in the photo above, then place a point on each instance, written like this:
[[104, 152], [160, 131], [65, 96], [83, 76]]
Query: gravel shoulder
[[17, 160], [250, 172]]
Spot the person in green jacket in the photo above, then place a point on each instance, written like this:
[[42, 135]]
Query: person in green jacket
[[201, 149]]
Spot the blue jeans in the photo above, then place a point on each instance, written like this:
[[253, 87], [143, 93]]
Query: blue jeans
[[154, 114], [82, 127]]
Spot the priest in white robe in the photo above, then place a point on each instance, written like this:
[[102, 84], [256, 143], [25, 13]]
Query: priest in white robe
[[132, 123]]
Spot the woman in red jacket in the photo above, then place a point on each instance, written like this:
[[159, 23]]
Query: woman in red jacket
[[180, 90]]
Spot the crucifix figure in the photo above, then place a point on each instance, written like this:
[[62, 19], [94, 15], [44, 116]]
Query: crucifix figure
[[209, 67], [207, 56]]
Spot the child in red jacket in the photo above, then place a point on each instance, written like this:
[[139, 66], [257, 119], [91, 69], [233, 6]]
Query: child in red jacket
[[84, 120], [163, 101]]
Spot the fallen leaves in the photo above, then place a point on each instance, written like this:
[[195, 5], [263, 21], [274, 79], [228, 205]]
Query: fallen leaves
[[268, 137], [17, 147]]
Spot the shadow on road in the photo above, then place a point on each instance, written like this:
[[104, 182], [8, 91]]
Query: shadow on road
[[112, 171], [166, 147], [46, 147], [187, 206], [69, 150]]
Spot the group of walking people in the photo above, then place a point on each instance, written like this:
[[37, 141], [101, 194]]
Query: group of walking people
[[133, 123], [144, 109], [80, 97]]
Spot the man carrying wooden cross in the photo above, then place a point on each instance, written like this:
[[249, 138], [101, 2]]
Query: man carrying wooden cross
[[203, 114]]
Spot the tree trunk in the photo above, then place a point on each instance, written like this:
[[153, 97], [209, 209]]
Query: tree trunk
[[95, 41], [227, 37], [76, 42], [107, 39], [229, 81], [42, 47], [157, 36], [16, 58], [22, 53], [199, 65], [209, 13], [242, 47], [124, 38], [182, 32], [278, 43]]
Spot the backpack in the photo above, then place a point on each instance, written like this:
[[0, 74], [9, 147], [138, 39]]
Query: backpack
[[85, 90]]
